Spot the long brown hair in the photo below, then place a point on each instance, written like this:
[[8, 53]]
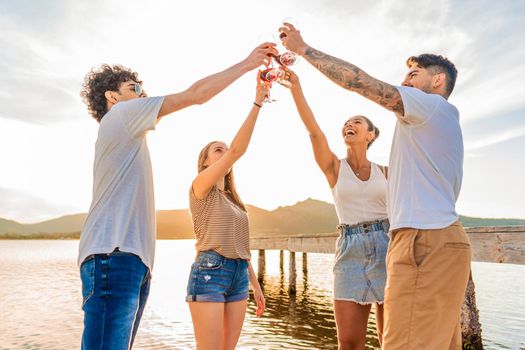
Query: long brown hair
[[229, 182]]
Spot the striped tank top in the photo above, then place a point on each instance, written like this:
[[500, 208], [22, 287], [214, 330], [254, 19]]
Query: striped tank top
[[220, 225]]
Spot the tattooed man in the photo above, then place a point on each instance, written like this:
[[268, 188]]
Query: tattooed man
[[428, 261]]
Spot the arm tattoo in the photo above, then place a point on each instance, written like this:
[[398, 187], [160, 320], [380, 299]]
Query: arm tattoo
[[353, 78]]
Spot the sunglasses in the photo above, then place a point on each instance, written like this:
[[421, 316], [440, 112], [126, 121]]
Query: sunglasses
[[138, 89]]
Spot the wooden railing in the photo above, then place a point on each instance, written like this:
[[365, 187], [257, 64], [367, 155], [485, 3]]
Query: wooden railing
[[504, 244]]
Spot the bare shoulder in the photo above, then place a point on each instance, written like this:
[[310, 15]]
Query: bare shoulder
[[332, 174], [384, 169]]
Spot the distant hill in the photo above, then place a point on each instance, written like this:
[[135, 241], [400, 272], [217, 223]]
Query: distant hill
[[174, 224], [469, 221], [309, 216]]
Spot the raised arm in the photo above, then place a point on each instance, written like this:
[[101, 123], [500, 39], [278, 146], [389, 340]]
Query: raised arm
[[325, 158], [344, 73], [204, 89], [205, 180]]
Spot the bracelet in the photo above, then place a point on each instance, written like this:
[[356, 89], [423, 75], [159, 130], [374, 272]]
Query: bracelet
[[258, 105]]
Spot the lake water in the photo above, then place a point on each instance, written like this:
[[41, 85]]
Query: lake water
[[40, 301]]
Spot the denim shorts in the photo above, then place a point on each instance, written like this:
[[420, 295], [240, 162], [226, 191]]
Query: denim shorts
[[359, 267], [214, 278]]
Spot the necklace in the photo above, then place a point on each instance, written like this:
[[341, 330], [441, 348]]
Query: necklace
[[357, 171]]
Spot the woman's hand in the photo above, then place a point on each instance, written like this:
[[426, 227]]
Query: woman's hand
[[262, 90], [259, 300], [290, 80]]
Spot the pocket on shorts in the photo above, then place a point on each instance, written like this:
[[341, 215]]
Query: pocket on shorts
[[457, 245], [210, 262], [87, 276], [382, 241], [338, 242], [341, 246], [420, 247]]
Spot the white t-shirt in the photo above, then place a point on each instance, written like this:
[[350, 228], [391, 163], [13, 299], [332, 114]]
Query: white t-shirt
[[122, 212], [426, 162]]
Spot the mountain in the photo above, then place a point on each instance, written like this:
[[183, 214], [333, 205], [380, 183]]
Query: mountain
[[174, 224], [11, 226], [469, 221], [307, 217], [68, 223]]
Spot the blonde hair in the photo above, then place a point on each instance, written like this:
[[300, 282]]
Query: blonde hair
[[229, 182]]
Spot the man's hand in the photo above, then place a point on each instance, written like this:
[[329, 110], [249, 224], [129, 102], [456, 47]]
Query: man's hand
[[261, 55], [292, 39]]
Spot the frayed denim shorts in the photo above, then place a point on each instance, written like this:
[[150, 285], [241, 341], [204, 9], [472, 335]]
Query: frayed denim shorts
[[359, 267], [214, 278]]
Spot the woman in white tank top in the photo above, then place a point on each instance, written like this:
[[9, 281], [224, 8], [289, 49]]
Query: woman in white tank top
[[359, 189]]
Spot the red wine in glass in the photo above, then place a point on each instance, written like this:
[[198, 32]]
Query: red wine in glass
[[287, 59], [271, 74]]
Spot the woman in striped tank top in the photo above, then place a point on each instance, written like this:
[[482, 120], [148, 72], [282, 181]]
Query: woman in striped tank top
[[220, 276], [359, 189]]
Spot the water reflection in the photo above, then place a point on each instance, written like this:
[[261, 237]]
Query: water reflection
[[301, 321], [40, 301]]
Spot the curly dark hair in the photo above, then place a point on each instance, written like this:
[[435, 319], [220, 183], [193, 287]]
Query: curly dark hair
[[102, 79], [437, 64]]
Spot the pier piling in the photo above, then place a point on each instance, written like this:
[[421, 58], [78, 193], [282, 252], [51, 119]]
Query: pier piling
[[261, 266], [292, 276]]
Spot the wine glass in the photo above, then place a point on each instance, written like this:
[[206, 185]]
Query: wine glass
[[288, 58], [270, 75]]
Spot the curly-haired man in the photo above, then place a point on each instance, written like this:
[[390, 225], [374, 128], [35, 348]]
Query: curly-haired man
[[428, 259], [117, 242]]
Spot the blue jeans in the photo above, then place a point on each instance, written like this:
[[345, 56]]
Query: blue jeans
[[214, 278], [115, 288]]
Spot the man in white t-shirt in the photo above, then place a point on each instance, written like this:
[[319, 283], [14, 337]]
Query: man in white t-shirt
[[117, 242], [428, 261]]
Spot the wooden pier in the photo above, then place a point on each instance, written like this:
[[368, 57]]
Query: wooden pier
[[499, 244], [503, 244]]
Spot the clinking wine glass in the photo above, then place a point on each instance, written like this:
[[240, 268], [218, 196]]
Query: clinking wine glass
[[288, 58], [270, 75]]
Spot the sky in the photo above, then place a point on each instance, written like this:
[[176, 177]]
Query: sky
[[47, 137]]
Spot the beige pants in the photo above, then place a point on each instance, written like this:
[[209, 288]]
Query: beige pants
[[427, 274]]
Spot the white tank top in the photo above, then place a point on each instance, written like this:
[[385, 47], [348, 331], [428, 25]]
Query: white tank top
[[357, 200]]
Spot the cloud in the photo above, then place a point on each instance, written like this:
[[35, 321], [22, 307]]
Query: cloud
[[501, 136], [23, 207], [46, 47], [39, 53], [497, 129]]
